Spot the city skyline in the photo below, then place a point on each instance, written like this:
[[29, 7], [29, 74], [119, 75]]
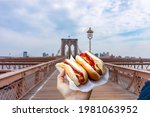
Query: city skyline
[[120, 27]]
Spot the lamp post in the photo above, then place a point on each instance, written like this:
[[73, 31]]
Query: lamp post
[[90, 36]]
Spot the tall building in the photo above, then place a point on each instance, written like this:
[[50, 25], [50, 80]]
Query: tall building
[[96, 54], [25, 54], [104, 54], [45, 54]]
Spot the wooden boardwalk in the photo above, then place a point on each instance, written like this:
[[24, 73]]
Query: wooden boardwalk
[[47, 90]]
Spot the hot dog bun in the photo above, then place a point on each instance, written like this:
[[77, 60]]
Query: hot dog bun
[[75, 72], [92, 64]]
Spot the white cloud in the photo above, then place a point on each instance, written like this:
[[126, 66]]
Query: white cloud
[[107, 18], [113, 21], [132, 45], [14, 42], [144, 6]]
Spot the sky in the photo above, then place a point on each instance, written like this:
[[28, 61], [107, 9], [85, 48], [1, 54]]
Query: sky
[[121, 27]]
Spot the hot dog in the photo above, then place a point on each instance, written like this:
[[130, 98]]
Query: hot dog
[[92, 64], [75, 72]]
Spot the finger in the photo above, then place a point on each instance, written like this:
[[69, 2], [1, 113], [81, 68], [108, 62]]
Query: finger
[[62, 73], [60, 77]]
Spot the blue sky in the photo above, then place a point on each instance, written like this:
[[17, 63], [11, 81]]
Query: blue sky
[[121, 27]]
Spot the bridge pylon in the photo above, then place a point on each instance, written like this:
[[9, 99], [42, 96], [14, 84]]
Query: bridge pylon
[[69, 47]]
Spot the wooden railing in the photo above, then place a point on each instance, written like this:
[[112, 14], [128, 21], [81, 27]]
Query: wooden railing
[[129, 78], [14, 85]]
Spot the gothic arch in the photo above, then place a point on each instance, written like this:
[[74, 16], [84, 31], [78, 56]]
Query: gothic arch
[[70, 43]]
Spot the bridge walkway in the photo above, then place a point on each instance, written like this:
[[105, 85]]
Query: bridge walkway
[[47, 90]]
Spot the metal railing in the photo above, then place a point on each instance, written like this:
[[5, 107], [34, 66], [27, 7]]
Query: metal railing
[[28, 59], [5, 71], [136, 65], [22, 62], [15, 85], [128, 60], [129, 78], [16, 65]]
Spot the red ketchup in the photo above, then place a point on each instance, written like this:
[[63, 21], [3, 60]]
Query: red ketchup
[[79, 74], [88, 59]]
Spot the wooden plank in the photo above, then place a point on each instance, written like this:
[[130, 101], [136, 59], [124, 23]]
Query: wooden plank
[[47, 92], [109, 91], [112, 91]]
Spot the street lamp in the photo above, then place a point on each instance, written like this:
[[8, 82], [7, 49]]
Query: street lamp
[[90, 36]]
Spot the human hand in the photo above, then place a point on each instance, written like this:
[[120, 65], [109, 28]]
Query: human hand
[[69, 94]]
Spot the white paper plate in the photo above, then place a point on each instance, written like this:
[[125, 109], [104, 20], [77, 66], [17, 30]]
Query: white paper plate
[[90, 84]]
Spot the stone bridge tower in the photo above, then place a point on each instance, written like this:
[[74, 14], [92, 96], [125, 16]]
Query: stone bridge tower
[[69, 43]]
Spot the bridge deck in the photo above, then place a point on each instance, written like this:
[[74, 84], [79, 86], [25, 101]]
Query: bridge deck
[[47, 91]]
